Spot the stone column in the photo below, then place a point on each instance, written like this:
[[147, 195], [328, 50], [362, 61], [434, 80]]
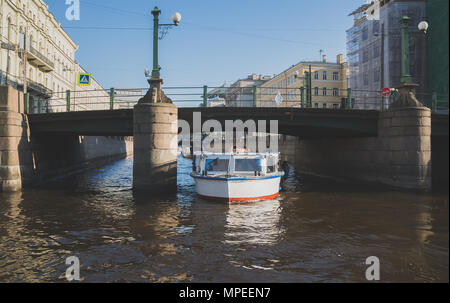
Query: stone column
[[13, 135], [406, 137], [155, 147]]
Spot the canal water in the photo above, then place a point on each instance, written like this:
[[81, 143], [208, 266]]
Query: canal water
[[316, 231]]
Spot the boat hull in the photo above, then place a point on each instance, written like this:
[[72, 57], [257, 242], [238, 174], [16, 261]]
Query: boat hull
[[238, 189]]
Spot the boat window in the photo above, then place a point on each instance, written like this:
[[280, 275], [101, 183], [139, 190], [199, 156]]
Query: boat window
[[247, 165], [217, 164], [271, 169]]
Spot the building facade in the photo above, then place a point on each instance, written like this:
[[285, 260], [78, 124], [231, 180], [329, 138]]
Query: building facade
[[38, 56], [438, 52], [328, 85], [240, 93], [217, 96], [374, 50]]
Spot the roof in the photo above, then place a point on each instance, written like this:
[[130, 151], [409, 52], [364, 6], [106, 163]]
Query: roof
[[219, 90], [361, 9], [305, 63]]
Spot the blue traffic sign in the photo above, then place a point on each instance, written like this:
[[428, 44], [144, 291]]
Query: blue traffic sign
[[84, 79]]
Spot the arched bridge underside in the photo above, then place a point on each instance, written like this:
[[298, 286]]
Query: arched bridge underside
[[302, 123]]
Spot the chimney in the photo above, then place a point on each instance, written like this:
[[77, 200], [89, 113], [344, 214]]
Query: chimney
[[340, 59], [253, 77], [324, 58]]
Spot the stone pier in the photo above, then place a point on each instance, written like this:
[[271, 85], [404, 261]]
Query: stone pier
[[13, 138], [155, 147], [400, 156], [405, 135]]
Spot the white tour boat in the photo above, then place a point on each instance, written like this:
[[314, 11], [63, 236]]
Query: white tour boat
[[236, 177]]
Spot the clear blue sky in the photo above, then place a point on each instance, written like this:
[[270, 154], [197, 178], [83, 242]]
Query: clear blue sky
[[216, 41]]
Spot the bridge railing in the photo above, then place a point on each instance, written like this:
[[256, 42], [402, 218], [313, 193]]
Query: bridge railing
[[204, 96]]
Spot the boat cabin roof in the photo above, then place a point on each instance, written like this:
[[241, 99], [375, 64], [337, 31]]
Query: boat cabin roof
[[237, 155]]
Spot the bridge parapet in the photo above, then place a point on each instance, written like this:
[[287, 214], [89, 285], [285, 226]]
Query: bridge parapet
[[232, 97]]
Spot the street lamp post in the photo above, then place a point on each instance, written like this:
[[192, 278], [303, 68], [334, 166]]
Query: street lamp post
[[406, 76], [155, 94], [155, 72], [406, 90]]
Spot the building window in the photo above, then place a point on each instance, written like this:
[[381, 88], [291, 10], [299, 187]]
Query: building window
[[324, 91], [376, 27], [324, 75], [324, 105], [376, 75], [9, 34], [365, 57], [366, 78], [316, 75], [335, 106], [291, 80], [21, 38], [336, 76], [316, 105], [316, 91], [376, 51], [8, 65], [335, 92], [365, 33]]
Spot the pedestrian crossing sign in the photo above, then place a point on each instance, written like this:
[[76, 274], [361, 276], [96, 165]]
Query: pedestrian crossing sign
[[84, 79]]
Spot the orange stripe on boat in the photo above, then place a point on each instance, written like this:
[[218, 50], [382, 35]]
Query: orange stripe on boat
[[231, 200]]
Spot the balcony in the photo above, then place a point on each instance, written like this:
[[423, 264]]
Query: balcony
[[38, 89], [39, 60], [9, 46]]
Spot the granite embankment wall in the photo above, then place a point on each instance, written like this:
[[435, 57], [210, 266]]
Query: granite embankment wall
[[26, 159]]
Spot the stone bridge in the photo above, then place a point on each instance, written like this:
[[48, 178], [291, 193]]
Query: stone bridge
[[393, 147]]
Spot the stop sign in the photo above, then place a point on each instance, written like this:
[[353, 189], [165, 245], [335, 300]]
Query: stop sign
[[386, 92]]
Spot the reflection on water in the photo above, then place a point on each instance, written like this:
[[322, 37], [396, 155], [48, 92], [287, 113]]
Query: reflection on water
[[316, 231], [254, 223]]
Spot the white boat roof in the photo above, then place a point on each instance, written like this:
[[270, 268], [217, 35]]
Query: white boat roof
[[236, 154]]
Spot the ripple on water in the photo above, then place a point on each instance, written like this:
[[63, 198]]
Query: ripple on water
[[315, 231]]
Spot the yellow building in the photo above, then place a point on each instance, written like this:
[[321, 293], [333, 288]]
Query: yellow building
[[36, 51], [328, 85]]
